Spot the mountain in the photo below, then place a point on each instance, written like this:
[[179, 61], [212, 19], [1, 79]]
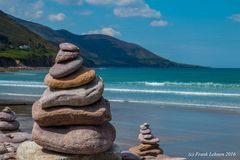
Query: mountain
[[19, 43], [97, 50]]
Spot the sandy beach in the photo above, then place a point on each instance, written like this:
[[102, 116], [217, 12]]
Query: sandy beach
[[192, 133]]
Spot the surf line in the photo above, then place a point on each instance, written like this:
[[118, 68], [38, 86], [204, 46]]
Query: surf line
[[173, 92]]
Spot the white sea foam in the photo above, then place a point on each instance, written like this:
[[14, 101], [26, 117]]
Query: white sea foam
[[144, 102], [185, 84], [19, 94], [25, 74], [24, 85], [172, 92], [30, 84], [33, 84], [20, 82]]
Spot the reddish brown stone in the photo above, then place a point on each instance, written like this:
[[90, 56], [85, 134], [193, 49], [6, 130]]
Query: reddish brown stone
[[95, 114], [145, 147], [82, 76], [151, 152], [75, 139]]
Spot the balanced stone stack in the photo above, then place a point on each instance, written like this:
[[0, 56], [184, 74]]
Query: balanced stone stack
[[72, 117], [149, 147], [8, 121], [10, 136]]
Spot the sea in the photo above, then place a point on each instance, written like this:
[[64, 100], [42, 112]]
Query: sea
[[179, 87]]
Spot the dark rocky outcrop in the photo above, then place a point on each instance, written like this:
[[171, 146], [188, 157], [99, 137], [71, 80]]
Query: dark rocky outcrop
[[6, 62]]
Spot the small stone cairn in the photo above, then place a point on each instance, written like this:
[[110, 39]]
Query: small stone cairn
[[8, 121], [149, 147], [10, 135], [71, 118]]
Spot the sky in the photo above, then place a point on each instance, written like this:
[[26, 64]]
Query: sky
[[202, 32]]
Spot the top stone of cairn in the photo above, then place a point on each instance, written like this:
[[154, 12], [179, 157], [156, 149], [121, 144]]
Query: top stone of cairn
[[67, 52], [68, 47], [7, 115]]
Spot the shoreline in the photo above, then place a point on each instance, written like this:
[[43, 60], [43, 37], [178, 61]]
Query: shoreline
[[22, 68], [22, 102]]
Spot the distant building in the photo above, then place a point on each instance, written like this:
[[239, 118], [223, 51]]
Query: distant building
[[24, 46]]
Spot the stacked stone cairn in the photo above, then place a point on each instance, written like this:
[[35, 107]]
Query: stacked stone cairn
[[149, 147], [8, 121], [10, 134], [72, 117]]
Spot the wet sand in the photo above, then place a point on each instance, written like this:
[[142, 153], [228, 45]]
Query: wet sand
[[205, 134]]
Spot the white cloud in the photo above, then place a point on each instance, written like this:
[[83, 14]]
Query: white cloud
[[36, 10], [105, 30], [122, 8], [141, 11], [12, 9], [70, 2], [112, 2], [23, 8], [98, 2], [35, 14], [159, 23], [235, 17], [38, 5], [56, 17]]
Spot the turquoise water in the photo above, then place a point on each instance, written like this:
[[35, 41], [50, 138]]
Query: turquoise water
[[206, 88]]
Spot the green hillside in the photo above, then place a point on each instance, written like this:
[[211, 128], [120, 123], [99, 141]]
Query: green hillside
[[19, 43]]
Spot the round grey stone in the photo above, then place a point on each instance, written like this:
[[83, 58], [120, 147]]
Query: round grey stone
[[126, 155], [144, 126], [81, 96], [154, 140], [59, 70], [18, 137], [68, 47], [146, 131], [66, 56], [148, 136], [9, 126], [7, 116]]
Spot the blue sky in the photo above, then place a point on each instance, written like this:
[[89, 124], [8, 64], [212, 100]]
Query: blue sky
[[203, 32]]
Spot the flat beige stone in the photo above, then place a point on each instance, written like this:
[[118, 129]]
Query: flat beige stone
[[151, 152], [144, 147], [31, 151], [94, 114], [80, 77]]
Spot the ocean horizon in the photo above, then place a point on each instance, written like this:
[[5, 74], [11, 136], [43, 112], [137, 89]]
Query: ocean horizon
[[183, 87]]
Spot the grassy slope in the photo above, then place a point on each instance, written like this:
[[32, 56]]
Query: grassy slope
[[41, 51]]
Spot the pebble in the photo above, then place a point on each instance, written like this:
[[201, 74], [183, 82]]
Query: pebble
[[59, 70], [68, 47], [147, 131], [63, 56]]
